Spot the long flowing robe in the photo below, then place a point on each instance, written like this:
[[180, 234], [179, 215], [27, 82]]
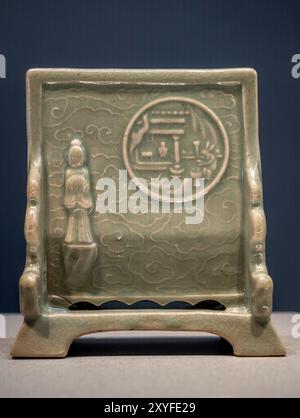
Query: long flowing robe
[[78, 202]]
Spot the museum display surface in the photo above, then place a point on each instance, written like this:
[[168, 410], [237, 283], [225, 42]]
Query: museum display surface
[[105, 257]]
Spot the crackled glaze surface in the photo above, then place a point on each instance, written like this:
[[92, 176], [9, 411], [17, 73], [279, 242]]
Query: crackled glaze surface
[[150, 256]]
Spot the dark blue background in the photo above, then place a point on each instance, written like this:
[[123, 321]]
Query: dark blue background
[[262, 34]]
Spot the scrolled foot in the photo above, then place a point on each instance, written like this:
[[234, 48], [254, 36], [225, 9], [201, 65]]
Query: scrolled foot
[[29, 296], [262, 298]]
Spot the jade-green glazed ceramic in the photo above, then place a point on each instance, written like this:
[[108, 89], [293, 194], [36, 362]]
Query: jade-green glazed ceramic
[[88, 125]]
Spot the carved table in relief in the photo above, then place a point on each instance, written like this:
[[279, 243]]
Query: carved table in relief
[[88, 271]]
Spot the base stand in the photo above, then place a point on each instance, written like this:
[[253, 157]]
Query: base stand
[[52, 334]]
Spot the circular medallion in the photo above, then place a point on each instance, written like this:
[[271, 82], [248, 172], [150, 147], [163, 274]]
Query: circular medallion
[[175, 136]]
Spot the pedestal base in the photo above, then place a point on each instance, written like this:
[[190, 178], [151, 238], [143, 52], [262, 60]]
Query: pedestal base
[[52, 334]]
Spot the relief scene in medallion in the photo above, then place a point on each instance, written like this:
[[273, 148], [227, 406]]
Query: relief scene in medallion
[[150, 132]]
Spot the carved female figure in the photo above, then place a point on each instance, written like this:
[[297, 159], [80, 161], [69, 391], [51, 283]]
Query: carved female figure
[[78, 200], [80, 251]]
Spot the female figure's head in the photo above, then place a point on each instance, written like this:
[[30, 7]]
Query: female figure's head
[[76, 154]]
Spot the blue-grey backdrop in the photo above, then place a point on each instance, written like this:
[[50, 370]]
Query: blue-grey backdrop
[[263, 34]]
